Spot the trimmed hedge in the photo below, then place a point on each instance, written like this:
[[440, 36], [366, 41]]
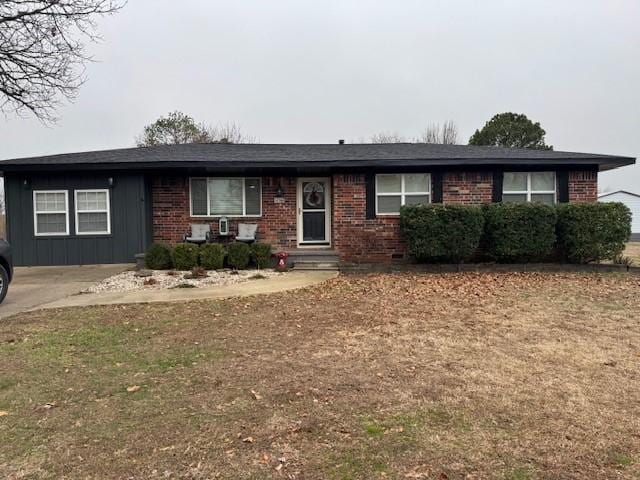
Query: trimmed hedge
[[158, 257], [590, 232], [238, 255], [185, 256], [441, 233], [261, 254], [212, 256], [519, 232]]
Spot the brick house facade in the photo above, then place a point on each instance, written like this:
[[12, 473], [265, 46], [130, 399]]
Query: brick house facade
[[354, 236], [145, 195]]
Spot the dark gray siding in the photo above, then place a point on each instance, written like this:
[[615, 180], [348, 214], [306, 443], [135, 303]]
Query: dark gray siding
[[130, 232]]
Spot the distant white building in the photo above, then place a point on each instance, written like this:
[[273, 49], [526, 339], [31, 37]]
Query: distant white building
[[631, 200]]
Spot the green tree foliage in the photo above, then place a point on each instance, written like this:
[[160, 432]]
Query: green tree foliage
[[176, 128], [511, 130]]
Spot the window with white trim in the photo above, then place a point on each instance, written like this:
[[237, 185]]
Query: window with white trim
[[226, 196], [50, 212], [522, 187], [93, 216], [396, 190]]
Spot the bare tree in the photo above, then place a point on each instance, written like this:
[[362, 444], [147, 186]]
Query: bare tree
[[230, 132], [388, 137], [447, 134], [42, 51]]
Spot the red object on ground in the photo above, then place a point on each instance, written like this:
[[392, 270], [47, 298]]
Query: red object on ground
[[282, 260]]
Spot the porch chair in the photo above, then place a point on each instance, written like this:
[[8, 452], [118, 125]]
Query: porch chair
[[247, 232], [199, 234]]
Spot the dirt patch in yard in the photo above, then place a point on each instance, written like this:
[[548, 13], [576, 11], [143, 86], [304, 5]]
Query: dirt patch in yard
[[434, 376]]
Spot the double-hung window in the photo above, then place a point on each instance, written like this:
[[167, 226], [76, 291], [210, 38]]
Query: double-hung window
[[50, 212], [226, 196], [396, 190], [523, 187], [92, 212]]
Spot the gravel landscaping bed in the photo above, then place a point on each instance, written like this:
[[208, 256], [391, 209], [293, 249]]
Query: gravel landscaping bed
[[163, 279]]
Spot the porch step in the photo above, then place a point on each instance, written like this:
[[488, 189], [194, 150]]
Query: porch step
[[312, 265], [314, 259]]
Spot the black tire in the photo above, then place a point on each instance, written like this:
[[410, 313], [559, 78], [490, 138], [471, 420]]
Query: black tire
[[4, 283]]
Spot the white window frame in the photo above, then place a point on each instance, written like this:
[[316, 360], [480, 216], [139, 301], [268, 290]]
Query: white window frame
[[78, 211], [244, 198], [402, 193], [36, 213], [528, 192]]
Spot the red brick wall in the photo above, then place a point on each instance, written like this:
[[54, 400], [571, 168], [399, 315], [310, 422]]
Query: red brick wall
[[467, 187], [583, 186], [171, 218], [355, 237]]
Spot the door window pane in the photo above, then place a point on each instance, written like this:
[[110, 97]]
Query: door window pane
[[543, 181], [389, 183], [389, 204], [416, 182], [313, 195], [515, 181]]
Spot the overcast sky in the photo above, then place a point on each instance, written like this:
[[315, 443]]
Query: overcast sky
[[309, 71]]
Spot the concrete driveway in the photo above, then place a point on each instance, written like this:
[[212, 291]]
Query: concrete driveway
[[33, 287]]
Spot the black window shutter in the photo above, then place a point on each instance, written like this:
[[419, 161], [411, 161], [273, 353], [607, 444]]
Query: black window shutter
[[436, 192], [498, 177], [370, 187], [563, 186]]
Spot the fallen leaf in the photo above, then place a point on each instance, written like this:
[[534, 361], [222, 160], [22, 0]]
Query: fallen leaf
[[133, 388], [256, 395], [3, 413], [248, 440]]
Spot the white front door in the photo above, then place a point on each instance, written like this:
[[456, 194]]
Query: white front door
[[314, 211]]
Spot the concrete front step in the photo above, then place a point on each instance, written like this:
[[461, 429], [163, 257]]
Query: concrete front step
[[314, 259], [316, 265]]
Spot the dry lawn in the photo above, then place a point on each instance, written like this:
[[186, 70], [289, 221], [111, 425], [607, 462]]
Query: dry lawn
[[453, 376]]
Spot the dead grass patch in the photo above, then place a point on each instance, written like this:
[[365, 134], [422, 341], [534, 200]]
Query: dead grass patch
[[474, 375]]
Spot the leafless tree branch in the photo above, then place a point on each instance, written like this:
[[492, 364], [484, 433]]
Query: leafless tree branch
[[42, 51]]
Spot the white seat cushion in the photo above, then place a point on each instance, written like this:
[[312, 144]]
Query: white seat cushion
[[199, 232], [247, 231]]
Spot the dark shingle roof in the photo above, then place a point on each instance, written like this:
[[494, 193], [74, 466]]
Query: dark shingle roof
[[318, 155]]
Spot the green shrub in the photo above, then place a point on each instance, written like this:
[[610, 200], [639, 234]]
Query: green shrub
[[158, 257], [589, 232], [238, 255], [185, 256], [212, 256], [519, 232], [441, 233], [261, 254]]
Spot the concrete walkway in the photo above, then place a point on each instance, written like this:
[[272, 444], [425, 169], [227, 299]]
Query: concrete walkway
[[33, 287], [290, 281]]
